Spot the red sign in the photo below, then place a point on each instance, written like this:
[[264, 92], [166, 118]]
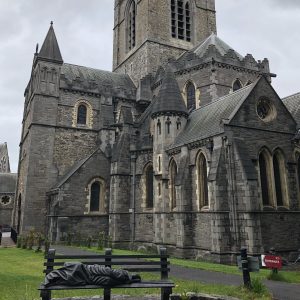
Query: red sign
[[271, 261]]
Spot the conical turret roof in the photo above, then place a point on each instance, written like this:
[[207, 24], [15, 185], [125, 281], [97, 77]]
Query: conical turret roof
[[169, 99], [50, 49]]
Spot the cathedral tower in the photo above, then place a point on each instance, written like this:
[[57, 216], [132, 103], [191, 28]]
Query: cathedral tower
[[36, 173], [148, 33]]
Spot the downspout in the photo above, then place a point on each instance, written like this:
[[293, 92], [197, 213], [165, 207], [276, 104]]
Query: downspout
[[233, 199], [132, 209]]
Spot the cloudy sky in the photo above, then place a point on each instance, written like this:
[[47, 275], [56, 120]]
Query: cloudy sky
[[264, 28]]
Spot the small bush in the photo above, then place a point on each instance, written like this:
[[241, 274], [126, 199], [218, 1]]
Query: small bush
[[39, 238], [258, 287], [19, 241], [100, 241], [89, 242], [30, 239], [24, 242]]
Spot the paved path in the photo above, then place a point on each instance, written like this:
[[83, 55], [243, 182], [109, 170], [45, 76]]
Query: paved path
[[280, 290], [6, 240]]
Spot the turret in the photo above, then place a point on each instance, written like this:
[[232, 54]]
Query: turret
[[169, 117]]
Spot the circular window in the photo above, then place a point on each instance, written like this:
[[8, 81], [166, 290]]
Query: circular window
[[265, 109], [5, 200]]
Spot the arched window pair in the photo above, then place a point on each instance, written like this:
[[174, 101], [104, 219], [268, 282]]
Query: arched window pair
[[96, 196], [237, 84], [131, 24], [181, 19], [272, 178]]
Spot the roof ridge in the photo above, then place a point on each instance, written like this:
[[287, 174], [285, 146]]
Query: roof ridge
[[112, 72]]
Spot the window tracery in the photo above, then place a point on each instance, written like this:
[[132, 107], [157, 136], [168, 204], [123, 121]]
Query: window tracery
[[173, 174], [131, 25]]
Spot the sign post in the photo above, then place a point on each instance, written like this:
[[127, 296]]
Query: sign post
[[246, 273]]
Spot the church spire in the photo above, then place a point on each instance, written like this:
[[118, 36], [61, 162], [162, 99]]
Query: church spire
[[169, 99], [50, 49]]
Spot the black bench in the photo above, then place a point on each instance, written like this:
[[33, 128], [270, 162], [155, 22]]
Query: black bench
[[132, 263]]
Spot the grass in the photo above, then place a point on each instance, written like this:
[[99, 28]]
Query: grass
[[285, 276], [21, 274]]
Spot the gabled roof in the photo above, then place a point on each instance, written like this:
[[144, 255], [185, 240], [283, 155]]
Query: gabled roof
[[73, 170], [214, 40], [104, 82], [169, 98], [292, 103], [207, 120], [8, 183], [50, 49]]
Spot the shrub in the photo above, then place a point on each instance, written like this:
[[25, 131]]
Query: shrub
[[24, 242], [69, 239], [100, 241], [30, 239], [47, 245], [258, 287], [89, 242], [19, 241], [39, 238]]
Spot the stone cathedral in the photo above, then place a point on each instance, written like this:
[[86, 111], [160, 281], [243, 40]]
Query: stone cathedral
[[185, 144]]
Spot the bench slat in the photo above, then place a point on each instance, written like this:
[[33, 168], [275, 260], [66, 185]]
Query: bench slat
[[58, 256], [143, 284], [113, 263], [132, 269]]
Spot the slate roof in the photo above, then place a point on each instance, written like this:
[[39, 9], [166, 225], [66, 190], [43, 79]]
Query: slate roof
[[206, 121], [50, 49], [214, 40], [73, 170], [8, 183], [97, 80], [169, 98], [292, 103]]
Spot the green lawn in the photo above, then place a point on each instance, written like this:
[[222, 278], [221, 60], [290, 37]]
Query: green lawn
[[286, 276], [21, 274]]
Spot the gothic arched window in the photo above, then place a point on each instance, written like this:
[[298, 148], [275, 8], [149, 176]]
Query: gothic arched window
[[82, 114], [95, 196], [236, 85], [173, 174], [149, 186], [158, 127], [168, 126], [202, 181], [181, 19], [279, 178], [265, 177], [131, 25], [190, 96]]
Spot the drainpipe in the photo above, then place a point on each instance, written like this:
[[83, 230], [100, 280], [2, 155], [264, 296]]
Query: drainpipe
[[132, 209], [232, 196]]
